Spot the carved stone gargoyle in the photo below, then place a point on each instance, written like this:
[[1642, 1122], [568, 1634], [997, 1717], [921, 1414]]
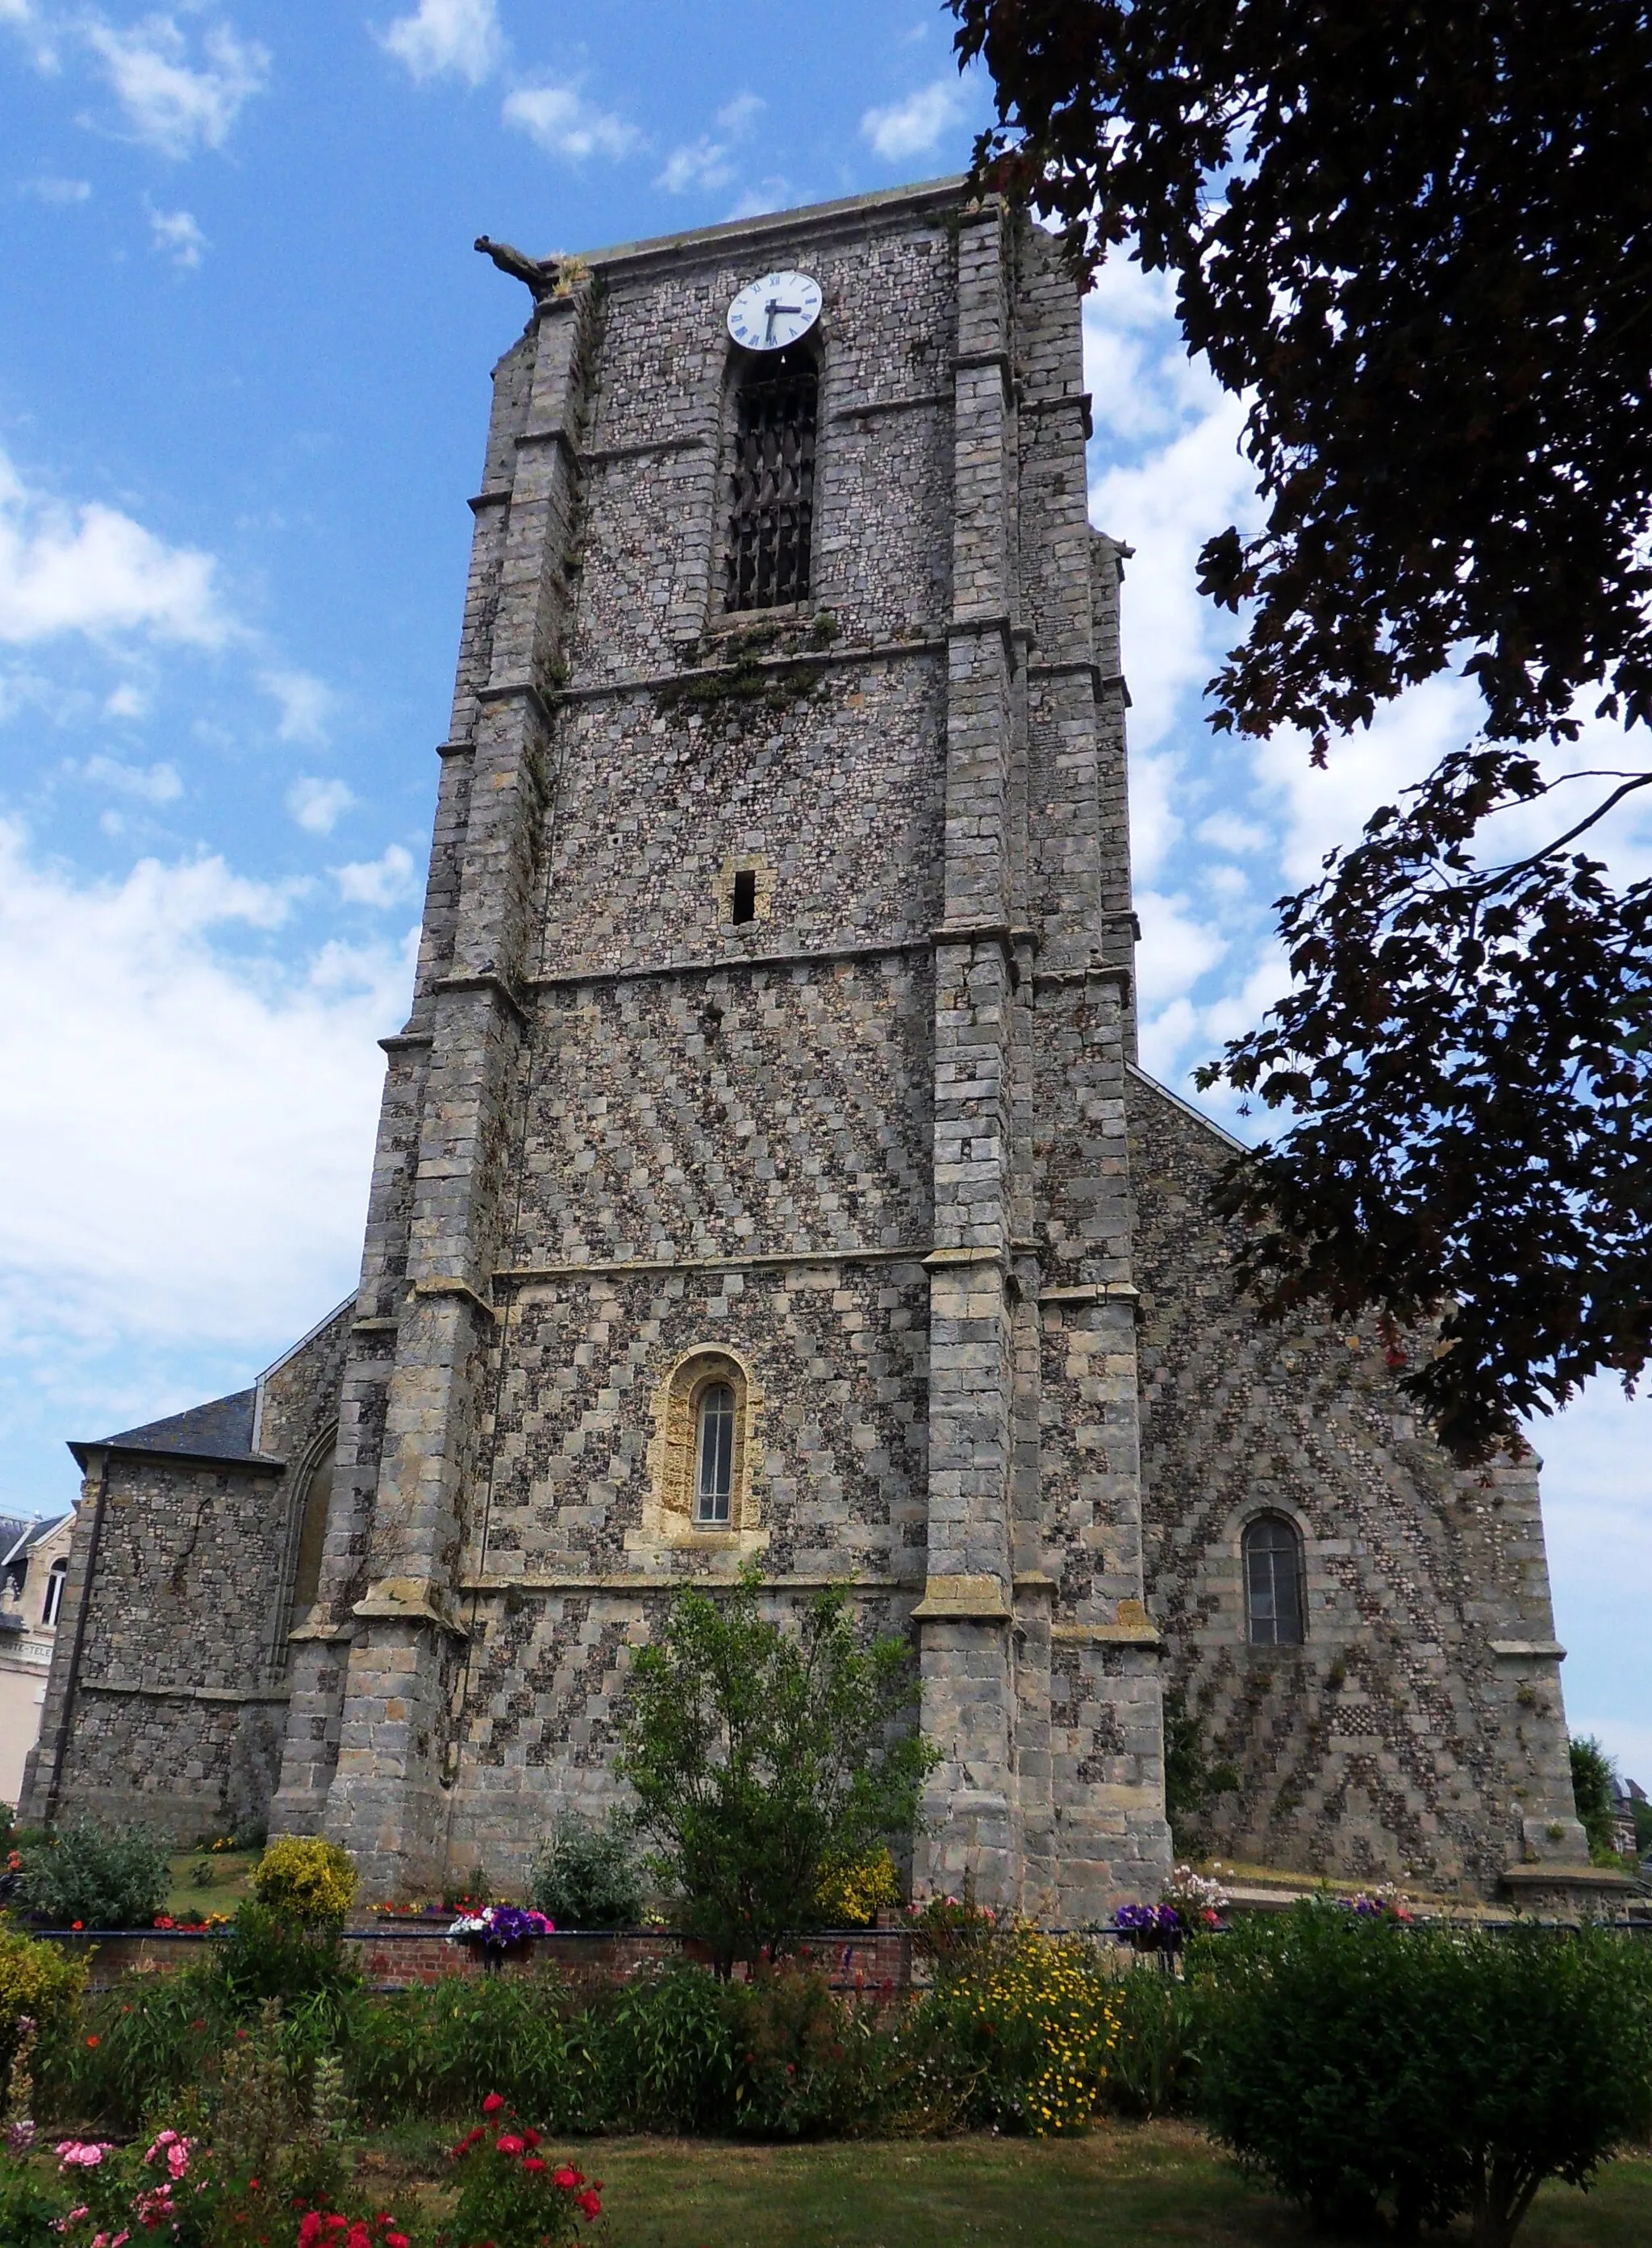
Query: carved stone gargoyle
[[540, 274]]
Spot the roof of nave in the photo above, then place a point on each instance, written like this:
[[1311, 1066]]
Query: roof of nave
[[219, 1430]]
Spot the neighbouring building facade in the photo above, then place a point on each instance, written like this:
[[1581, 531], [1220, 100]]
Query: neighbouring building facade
[[764, 1175], [34, 1568]]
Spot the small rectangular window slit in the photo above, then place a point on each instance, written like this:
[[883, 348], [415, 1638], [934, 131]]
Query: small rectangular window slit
[[744, 906]]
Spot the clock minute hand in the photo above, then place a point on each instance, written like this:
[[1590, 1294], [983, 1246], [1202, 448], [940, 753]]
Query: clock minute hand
[[774, 306]]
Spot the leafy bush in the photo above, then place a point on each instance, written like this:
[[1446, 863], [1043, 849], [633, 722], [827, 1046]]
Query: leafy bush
[[671, 2051], [149, 2040], [300, 1961], [440, 2051], [511, 2195], [305, 1878], [587, 1877], [1595, 1784], [1361, 2065], [813, 2065], [1023, 2032], [854, 1891], [38, 1983], [759, 1756], [1156, 2059], [92, 1877]]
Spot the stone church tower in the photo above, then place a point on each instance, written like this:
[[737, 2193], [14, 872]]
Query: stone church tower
[[764, 1176]]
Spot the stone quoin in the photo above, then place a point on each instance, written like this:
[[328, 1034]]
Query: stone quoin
[[764, 1175]]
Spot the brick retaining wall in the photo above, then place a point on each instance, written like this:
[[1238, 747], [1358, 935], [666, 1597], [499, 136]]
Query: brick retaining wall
[[399, 1956]]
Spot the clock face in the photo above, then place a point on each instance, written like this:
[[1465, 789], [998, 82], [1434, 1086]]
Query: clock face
[[768, 314]]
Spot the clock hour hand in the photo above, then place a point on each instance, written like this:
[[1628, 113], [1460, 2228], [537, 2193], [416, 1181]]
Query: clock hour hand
[[772, 307]]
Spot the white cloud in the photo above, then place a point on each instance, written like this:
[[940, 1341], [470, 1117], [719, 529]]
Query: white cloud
[[558, 119], [126, 700], [307, 704], [173, 103], [737, 118], [461, 37], [93, 570], [914, 127], [175, 235], [23, 18], [156, 784], [1178, 946], [705, 165], [51, 189], [319, 804], [1166, 507], [1225, 831], [216, 1196], [382, 881]]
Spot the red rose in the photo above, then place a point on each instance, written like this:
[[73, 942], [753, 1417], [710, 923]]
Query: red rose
[[533, 2162], [492, 2104], [510, 2144], [565, 2178], [589, 2202], [532, 2137]]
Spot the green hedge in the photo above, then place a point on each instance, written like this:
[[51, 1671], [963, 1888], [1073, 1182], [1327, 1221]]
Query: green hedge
[[1365, 2067]]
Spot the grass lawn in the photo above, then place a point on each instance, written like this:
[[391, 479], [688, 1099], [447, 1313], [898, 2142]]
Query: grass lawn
[[208, 1881], [1123, 2184]]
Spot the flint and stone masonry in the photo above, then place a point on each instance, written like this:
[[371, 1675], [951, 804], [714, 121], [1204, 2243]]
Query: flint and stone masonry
[[874, 1155]]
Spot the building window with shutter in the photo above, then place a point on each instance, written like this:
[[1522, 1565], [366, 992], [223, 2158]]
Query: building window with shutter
[[771, 483]]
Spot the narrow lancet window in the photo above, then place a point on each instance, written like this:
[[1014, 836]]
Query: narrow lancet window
[[771, 483], [744, 906], [714, 1476], [1273, 1602]]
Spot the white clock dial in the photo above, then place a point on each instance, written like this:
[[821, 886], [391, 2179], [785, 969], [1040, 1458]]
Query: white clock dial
[[767, 315]]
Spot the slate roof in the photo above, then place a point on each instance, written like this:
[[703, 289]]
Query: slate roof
[[220, 1430]]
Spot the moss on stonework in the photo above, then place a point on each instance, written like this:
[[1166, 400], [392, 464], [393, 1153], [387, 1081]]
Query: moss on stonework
[[746, 684]]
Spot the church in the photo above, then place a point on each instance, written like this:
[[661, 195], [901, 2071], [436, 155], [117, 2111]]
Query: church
[[764, 1175]]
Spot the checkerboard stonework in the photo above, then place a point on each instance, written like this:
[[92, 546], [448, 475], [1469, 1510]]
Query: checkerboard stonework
[[862, 1137]]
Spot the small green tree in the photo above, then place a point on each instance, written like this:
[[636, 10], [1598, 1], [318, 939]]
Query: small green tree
[[1593, 1786], [759, 1754]]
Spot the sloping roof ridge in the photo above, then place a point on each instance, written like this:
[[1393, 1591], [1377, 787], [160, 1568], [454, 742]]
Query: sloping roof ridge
[[321, 1327], [286, 1359], [219, 1429], [1197, 1116]]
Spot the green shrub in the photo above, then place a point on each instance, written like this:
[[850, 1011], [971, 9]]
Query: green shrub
[[1595, 1784], [301, 1962], [510, 2195], [124, 2049], [1364, 2065], [813, 2065], [1019, 2031], [439, 2052], [1154, 2063], [670, 2050], [91, 1877], [587, 1877], [37, 1982], [305, 1878]]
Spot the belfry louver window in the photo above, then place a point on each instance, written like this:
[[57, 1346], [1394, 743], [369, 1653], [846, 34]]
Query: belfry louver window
[[771, 484]]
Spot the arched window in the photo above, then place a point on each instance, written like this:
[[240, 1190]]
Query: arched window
[[771, 482], [1274, 1606], [704, 1459], [312, 1532], [50, 1607], [714, 1455]]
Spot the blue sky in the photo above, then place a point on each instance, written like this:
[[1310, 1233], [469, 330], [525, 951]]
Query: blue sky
[[244, 346]]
